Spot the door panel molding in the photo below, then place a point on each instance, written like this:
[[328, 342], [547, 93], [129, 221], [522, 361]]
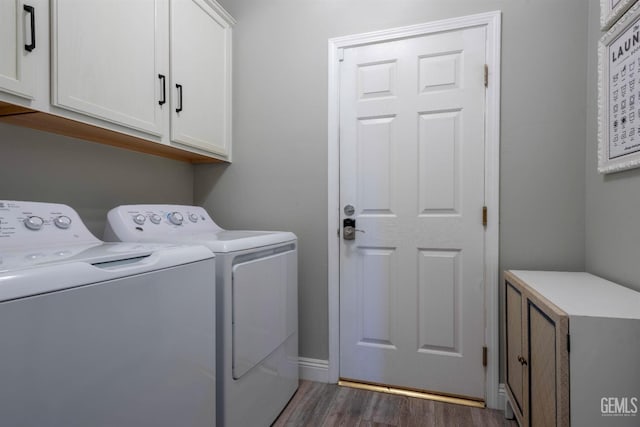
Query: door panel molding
[[492, 22]]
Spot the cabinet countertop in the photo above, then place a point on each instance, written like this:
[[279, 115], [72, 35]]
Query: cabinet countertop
[[583, 294]]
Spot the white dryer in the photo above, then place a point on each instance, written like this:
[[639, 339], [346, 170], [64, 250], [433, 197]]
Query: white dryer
[[257, 305], [96, 334]]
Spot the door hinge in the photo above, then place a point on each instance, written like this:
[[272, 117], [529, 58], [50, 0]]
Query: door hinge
[[568, 343], [484, 216], [340, 55], [484, 356], [486, 75]]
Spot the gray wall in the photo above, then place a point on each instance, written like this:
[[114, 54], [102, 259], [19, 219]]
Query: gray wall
[[92, 178], [613, 200], [279, 176]]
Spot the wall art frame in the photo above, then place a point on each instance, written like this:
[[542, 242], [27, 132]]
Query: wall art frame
[[612, 10], [619, 95]]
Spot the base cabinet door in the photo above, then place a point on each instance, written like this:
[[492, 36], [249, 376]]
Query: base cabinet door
[[110, 61], [515, 371], [542, 368], [537, 357], [201, 76]]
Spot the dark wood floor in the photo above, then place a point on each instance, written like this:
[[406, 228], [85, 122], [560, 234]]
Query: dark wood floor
[[319, 404]]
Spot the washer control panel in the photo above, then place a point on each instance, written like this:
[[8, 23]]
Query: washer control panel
[[34, 223], [132, 223]]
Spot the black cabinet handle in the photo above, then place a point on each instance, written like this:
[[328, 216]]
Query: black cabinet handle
[[179, 87], [32, 12], [164, 89]]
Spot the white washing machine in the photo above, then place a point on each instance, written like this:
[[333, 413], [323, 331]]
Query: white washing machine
[[257, 305], [95, 334]]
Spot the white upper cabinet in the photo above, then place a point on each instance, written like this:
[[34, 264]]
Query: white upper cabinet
[[23, 41], [201, 76], [110, 61], [148, 75]]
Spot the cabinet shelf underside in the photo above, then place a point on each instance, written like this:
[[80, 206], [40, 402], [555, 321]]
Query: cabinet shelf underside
[[25, 117]]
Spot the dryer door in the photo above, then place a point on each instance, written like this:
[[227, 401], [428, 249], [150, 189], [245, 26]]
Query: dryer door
[[264, 308]]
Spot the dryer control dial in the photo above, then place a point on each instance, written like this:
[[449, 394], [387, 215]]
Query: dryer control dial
[[193, 217], [62, 222], [175, 218], [155, 218], [34, 223]]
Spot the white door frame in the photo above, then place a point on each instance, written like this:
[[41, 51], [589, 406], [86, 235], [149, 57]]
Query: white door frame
[[492, 21]]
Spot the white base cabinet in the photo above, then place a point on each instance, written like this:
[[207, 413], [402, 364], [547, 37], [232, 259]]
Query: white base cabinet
[[572, 350]]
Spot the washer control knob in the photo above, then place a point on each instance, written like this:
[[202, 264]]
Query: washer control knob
[[34, 223], [175, 218], [139, 219], [62, 222], [155, 218], [193, 217]]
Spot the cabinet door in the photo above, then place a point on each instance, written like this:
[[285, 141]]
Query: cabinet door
[[200, 77], [21, 40], [108, 57], [542, 368], [514, 344]]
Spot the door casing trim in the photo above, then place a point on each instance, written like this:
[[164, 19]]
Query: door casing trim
[[492, 22]]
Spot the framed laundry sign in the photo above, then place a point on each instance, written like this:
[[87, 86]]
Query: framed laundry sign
[[611, 10], [619, 95]]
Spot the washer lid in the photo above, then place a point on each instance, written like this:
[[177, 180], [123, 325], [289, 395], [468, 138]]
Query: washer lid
[[96, 253], [33, 271]]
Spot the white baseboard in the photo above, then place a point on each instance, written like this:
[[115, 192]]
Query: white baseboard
[[502, 397], [502, 402], [314, 369]]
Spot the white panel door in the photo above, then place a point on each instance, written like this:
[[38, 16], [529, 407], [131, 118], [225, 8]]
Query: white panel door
[[110, 60], [21, 39], [201, 76], [412, 166]]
